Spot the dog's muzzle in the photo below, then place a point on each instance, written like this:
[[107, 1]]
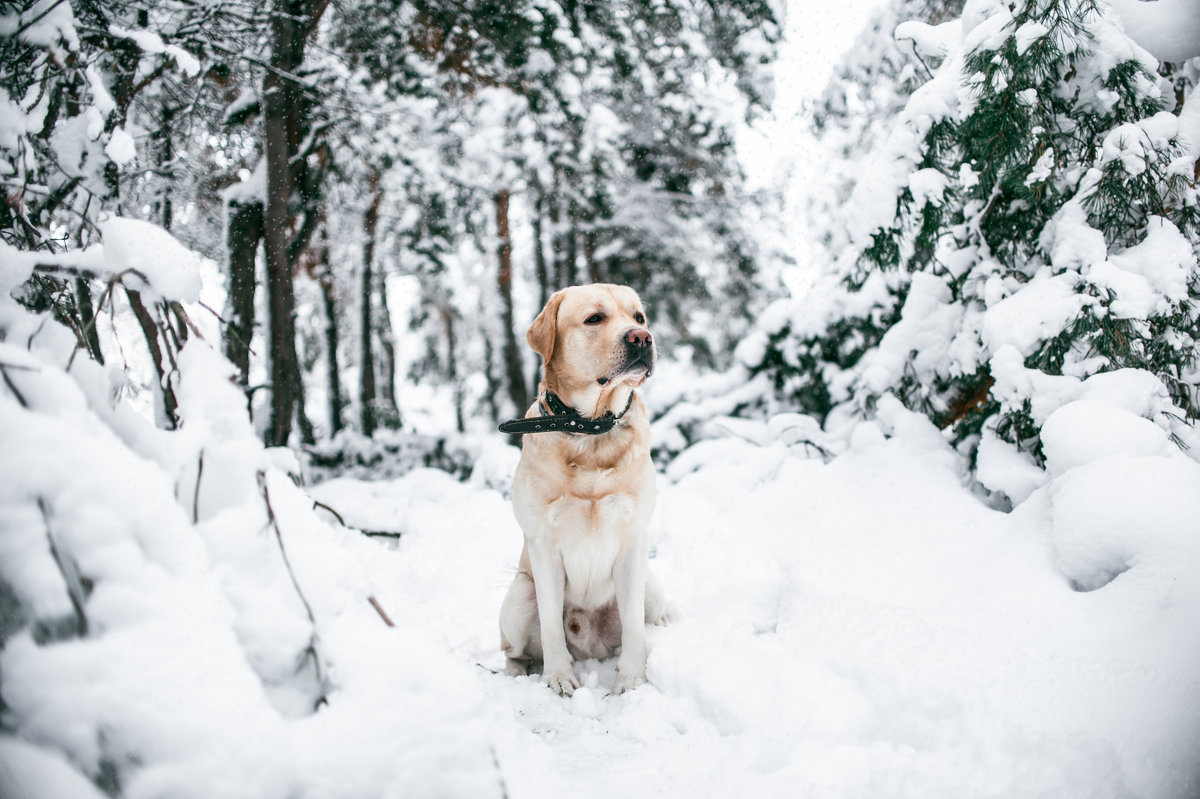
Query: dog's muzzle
[[639, 351]]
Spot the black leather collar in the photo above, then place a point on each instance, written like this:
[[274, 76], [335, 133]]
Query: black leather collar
[[558, 417]]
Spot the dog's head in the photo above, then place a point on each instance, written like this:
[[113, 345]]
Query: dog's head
[[595, 344]]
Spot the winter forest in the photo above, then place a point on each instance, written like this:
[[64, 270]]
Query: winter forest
[[927, 307]]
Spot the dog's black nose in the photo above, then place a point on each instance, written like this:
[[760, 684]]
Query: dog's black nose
[[639, 337]]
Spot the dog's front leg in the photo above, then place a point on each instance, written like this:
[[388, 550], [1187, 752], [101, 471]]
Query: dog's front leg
[[550, 580], [630, 577]]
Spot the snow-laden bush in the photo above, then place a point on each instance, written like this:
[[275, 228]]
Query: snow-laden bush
[[178, 620], [1031, 223]]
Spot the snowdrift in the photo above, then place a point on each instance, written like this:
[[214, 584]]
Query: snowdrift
[[850, 618]]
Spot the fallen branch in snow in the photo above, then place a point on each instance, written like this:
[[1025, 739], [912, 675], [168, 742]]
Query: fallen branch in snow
[[88, 333], [311, 650], [336, 515], [4, 367], [151, 331], [196, 495], [342, 522], [379, 609], [76, 590], [70, 270]]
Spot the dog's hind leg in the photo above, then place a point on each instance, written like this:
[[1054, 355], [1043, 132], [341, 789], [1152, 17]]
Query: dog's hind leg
[[520, 637]]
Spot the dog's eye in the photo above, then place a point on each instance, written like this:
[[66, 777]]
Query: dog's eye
[[640, 318], [594, 319]]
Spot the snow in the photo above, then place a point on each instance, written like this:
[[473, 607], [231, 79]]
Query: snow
[[848, 618], [169, 268], [1039, 310], [120, 149], [852, 615], [1069, 440], [1169, 29], [930, 40]]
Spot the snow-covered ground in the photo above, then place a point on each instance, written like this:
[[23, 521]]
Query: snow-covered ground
[[865, 627], [854, 625], [850, 616]]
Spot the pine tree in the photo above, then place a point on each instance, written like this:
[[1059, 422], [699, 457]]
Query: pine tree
[[1044, 227]]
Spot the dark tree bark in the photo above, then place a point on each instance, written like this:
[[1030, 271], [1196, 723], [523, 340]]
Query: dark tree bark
[[151, 331], [571, 249], [545, 289], [452, 367], [291, 23], [87, 319], [387, 346], [513, 370], [589, 256], [368, 420], [558, 239], [244, 233], [332, 372], [164, 153]]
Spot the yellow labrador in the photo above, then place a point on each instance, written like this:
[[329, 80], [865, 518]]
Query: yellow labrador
[[583, 493]]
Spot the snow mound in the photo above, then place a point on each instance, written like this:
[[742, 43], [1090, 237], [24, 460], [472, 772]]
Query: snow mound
[[1126, 512], [1087, 430], [169, 269]]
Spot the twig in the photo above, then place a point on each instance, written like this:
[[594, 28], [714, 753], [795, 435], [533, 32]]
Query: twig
[[36, 19], [273, 521], [70, 575], [196, 496], [336, 515], [379, 609], [34, 334], [58, 270], [917, 53], [12, 387]]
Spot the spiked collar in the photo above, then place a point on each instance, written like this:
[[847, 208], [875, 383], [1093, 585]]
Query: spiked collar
[[555, 416]]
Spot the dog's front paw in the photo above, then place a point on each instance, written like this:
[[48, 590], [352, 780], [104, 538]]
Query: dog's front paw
[[562, 682], [629, 681]]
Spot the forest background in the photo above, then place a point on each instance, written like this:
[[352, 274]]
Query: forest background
[[929, 349]]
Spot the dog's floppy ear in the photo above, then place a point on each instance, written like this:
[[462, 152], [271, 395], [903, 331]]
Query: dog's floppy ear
[[542, 332]]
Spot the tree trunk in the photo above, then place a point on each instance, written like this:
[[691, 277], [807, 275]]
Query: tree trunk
[[387, 344], [244, 232], [539, 258], [284, 362], [571, 254], [513, 370], [367, 393], [589, 255], [164, 153], [539, 250], [332, 372], [452, 367], [558, 239], [291, 23]]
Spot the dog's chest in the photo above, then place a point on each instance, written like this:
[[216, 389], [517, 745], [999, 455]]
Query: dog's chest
[[589, 534]]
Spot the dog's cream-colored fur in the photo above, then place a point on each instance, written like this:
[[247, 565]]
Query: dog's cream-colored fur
[[583, 587]]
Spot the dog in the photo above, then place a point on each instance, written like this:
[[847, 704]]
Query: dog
[[583, 493]]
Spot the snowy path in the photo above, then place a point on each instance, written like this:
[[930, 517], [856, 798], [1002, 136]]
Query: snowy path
[[863, 628]]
